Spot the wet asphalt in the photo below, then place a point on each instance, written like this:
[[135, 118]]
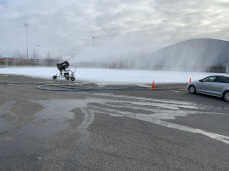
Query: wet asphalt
[[161, 129]]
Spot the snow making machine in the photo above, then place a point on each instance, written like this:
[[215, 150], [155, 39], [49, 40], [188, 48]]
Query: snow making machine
[[64, 72]]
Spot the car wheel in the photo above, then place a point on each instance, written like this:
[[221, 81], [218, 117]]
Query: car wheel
[[73, 78], [54, 77], [226, 96], [192, 90]]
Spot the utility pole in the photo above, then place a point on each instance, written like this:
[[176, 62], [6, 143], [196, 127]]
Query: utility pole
[[27, 39]]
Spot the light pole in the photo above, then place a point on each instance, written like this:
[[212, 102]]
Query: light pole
[[27, 38]]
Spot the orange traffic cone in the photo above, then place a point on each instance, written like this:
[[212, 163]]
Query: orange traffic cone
[[153, 85], [190, 80]]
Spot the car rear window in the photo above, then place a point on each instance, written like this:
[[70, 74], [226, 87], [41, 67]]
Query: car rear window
[[226, 80], [222, 79]]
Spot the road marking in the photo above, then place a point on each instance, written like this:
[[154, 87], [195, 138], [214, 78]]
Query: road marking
[[118, 105]]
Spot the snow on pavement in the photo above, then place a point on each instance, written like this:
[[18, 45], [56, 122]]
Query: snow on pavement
[[110, 76]]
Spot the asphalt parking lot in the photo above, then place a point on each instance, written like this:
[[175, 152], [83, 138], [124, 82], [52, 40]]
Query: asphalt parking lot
[[111, 129]]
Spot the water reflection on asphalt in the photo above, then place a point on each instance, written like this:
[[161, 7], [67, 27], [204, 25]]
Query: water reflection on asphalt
[[56, 113]]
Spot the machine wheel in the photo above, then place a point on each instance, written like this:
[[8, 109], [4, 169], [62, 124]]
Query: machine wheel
[[192, 89], [54, 77], [226, 96], [73, 78]]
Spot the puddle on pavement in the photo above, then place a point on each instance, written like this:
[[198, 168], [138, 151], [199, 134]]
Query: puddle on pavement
[[53, 118], [50, 120]]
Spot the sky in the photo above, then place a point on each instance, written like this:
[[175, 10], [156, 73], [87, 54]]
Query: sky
[[89, 30]]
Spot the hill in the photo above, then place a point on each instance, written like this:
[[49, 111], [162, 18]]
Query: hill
[[195, 54]]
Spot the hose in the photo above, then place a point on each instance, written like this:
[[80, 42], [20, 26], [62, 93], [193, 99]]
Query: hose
[[87, 89], [78, 87]]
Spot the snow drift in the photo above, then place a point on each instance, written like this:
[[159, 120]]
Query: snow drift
[[110, 76]]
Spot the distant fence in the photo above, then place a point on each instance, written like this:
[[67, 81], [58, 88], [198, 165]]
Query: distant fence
[[31, 61]]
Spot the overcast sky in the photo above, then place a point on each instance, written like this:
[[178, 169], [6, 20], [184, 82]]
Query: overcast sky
[[106, 28]]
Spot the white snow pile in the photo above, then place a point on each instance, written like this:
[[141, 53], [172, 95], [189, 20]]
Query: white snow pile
[[110, 76]]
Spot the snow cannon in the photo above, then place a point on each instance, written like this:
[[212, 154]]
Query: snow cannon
[[64, 72], [63, 66]]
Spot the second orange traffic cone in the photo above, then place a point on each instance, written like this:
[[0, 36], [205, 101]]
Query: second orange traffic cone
[[153, 85]]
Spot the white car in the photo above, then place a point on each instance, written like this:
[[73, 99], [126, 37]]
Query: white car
[[216, 85]]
